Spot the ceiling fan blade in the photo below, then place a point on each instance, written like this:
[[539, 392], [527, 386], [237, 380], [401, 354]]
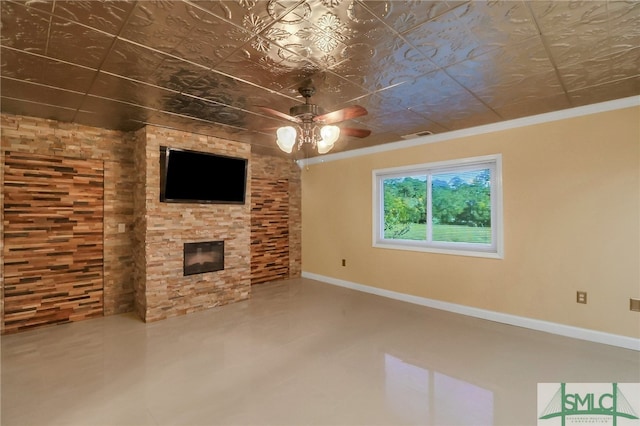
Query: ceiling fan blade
[[279, 114], [358, 133], [343, 114]]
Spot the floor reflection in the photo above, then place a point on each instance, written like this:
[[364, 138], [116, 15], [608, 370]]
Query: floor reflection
[[422, 396]]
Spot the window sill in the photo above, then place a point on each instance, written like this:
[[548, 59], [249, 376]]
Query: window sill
[[438, 250]]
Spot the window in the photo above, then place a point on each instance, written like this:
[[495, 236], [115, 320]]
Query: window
[[452, 207]]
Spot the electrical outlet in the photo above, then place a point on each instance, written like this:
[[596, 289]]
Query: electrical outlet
[[344, 262], [581, 297], [634, 304]]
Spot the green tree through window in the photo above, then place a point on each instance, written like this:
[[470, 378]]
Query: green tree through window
[[440, 205]]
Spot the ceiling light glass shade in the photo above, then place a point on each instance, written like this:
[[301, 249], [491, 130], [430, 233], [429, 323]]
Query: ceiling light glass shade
[[286, 138], [330, 134], [323, 147]]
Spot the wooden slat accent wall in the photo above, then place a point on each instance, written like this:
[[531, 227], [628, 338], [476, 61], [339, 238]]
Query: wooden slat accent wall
[[53, 240], [269, 230]]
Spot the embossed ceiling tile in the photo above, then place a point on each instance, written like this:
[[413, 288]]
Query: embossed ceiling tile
[[43, 5], [593, 72], [23, 28], [33, 92], [24, 66], [160, 24], [385, 77], [409, 121], [129, 91], [459, 110], [619, 8], [372, 42], [624, 28], [380, 58], [375, 105], [538, 105], [211, 42], [602, 70], [106, 16], [556, 16], [217, 32], [248, 13], [389, 100], [215, 87], [625, 64], [342, 20], [569, 48], [520, 88], [132, 60], [113, 110], [471, 117], [434, 89], [21, 107], [285, 49], [443, 40], [624, 38], [392, 63], [263, 73], [174, 74], [209, 34], [502, 66], [198, 52], [307, 41], [188, 106], [77, 44], [264, 96], [402, 15], [606, 92], [496, 24]]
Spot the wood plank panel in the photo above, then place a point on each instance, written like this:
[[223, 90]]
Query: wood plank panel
[[53, 234], [269, 230]]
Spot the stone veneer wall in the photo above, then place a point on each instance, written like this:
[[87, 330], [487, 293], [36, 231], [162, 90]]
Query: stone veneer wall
[[268, 171], [127, 175], [53, 240], [163, 228], [51, 138]]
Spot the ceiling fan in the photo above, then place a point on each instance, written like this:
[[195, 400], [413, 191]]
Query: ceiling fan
[[313, 127]]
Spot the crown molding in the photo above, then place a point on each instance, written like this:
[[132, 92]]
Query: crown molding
[[548, 117]]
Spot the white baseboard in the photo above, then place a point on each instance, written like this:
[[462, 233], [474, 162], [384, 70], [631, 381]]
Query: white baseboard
[[533, 324]]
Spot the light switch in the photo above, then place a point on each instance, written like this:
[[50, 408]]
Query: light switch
[[122, 228]]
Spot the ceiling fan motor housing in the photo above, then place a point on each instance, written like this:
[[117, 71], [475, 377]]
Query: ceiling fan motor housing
[[304, 111]]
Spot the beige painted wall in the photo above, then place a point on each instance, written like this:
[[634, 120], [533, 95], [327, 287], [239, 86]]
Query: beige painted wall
[[571, 193]]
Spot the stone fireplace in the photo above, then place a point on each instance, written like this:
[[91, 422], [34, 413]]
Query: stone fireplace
[[203, 257], [190, 256]]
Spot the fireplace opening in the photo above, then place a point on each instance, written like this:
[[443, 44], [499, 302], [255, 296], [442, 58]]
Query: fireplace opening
[[203, 257]]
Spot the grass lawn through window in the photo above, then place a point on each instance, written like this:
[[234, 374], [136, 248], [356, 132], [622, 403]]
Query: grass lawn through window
[[450, 233]]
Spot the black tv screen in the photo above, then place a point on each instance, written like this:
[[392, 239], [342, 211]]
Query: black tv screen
[[200, 177]]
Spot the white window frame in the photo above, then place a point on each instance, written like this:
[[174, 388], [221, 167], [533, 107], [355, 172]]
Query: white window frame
[[494, 250]]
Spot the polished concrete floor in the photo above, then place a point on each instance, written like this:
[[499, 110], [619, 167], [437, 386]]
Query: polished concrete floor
[[299, 352]]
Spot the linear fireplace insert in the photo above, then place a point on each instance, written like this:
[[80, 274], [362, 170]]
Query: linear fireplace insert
[[203, 257]]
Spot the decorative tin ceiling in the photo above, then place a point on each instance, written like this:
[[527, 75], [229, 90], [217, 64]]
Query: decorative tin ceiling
[[204, 66]]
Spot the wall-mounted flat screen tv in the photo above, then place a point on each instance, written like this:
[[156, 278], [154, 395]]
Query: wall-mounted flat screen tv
[[200, 177]]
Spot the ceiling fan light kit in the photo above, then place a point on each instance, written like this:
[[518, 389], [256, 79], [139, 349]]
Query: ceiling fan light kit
[[286, 138], [313, 128]]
